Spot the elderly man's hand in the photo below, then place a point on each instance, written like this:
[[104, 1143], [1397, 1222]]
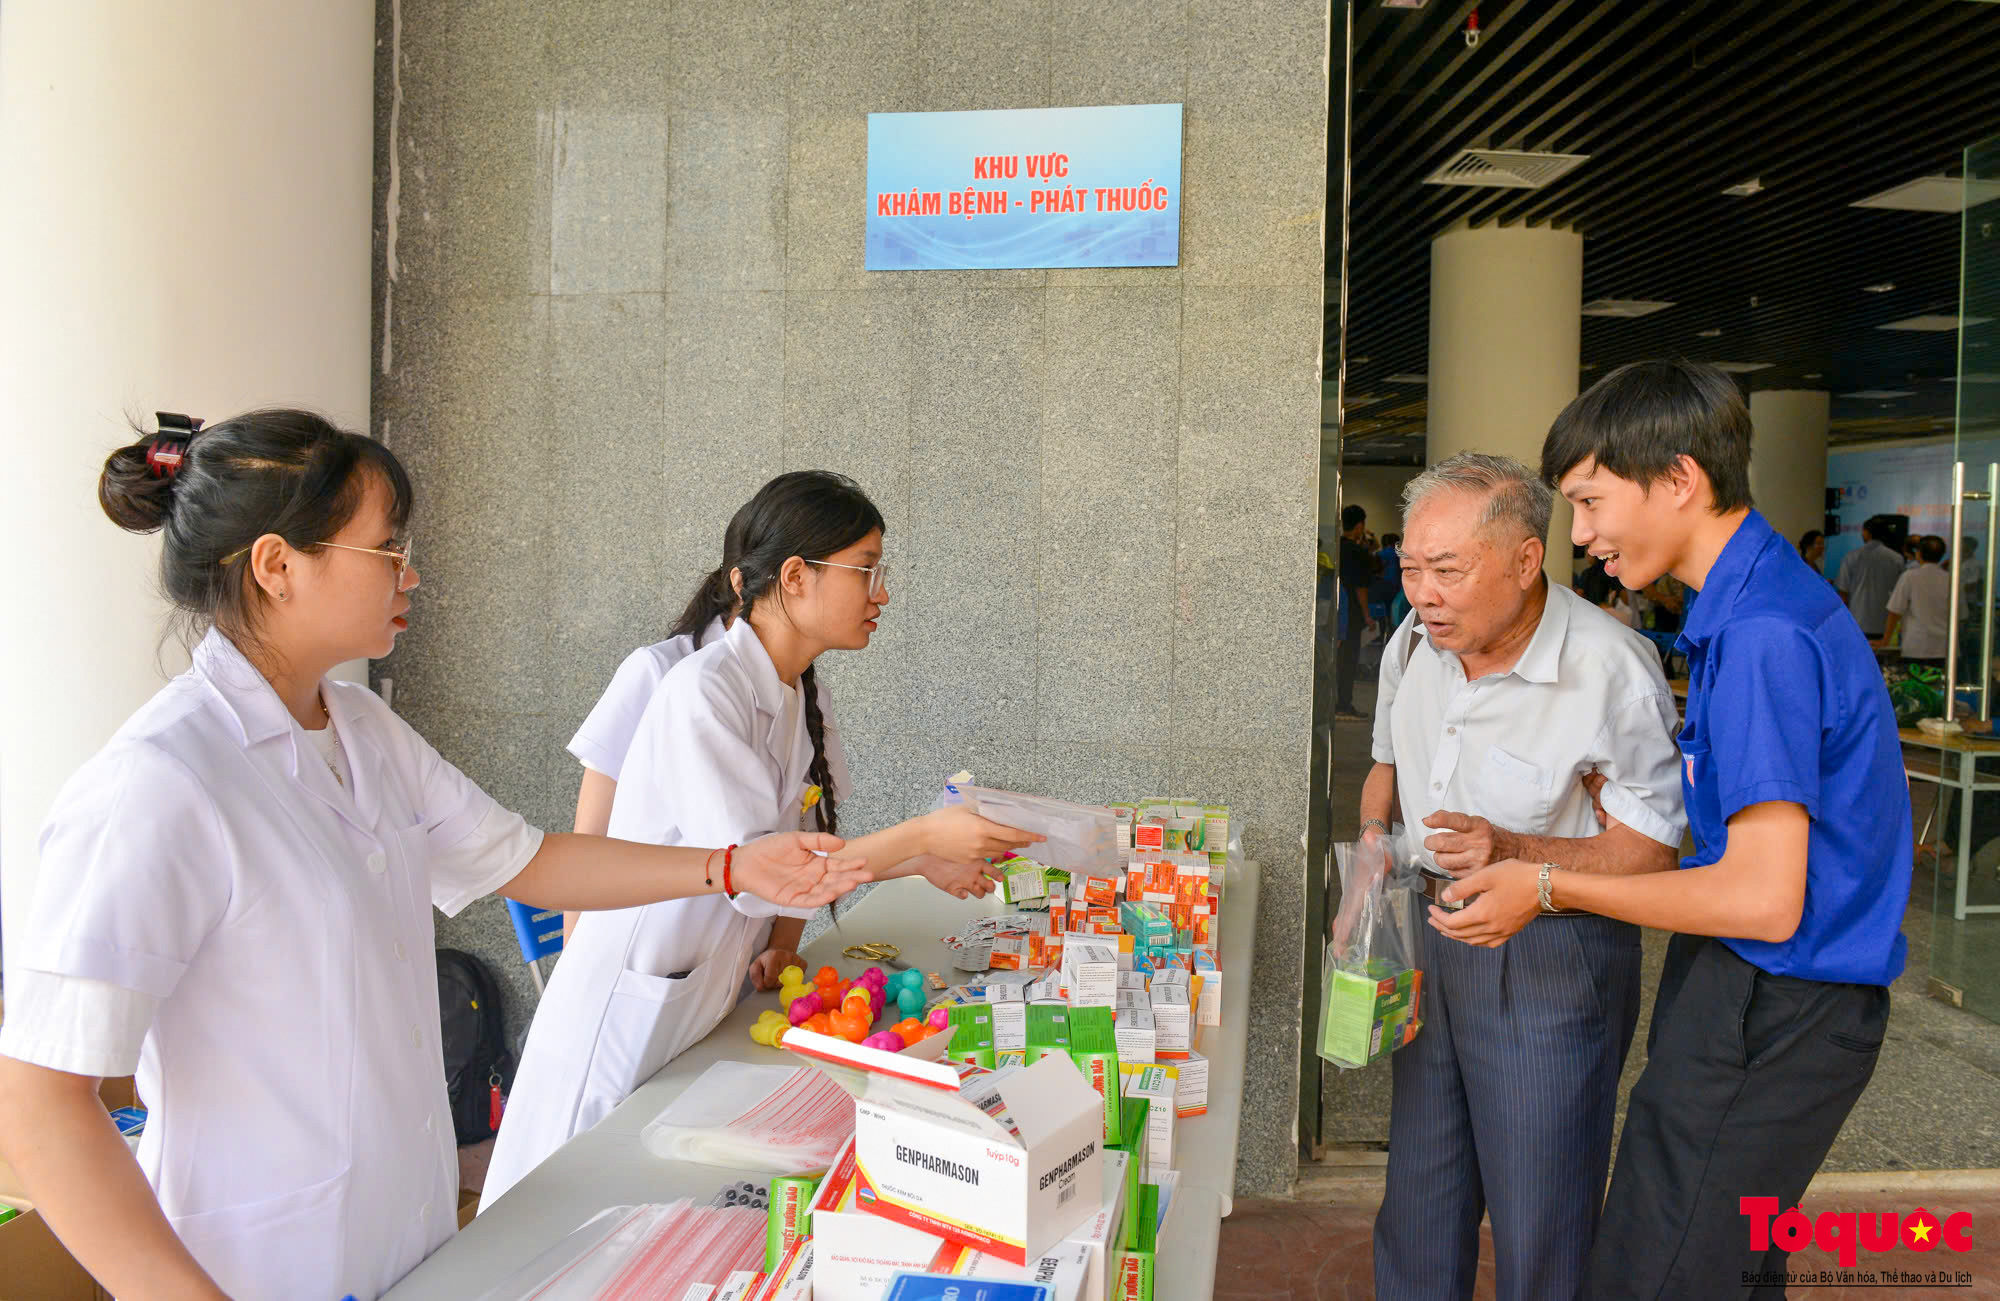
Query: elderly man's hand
[[1508, 897], [1465, 843]]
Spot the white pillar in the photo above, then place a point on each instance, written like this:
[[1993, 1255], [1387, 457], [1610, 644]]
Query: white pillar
[[1506, 340], [186, 227], [1788, 458]]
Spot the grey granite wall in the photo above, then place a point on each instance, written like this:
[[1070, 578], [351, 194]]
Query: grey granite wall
[[619, 285]]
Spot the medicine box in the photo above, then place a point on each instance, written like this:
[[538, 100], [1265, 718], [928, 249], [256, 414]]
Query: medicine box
[[1010, 953], [1138, 1039], [1370, 1013], [1173, 1020], [1007, 1163], [856, 1252], [1155, 1086], [1209, 969], [1093, 1046], [1191, 1086], [1090, 973], [971, 1034], [1009, 1007], [1024, 880], [1095, 1243], [946, 1287], [1047, 1031]]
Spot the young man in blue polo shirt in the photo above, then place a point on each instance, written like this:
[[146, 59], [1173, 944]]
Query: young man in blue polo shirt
[[1764, 1036]]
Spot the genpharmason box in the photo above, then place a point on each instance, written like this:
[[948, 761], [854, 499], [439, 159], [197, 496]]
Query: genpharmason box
[[857, 1253], [1009, 1163]]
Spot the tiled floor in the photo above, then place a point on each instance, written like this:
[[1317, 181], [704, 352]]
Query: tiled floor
[[1303, 1251]]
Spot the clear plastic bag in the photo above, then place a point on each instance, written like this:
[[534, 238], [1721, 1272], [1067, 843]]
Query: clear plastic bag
[[1371, 1002]]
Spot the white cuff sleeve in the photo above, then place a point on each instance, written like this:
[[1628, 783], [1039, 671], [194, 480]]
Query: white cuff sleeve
[[70, 1023], [1629, 809]]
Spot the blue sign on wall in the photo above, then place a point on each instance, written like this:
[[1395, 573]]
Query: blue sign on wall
[[1035, 187]]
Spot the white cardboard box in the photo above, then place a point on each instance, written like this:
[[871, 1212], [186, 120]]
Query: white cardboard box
[[1210, 1010], [932, 1155], [1174, 1020], [1191, 1094], [1158, 1085], [1090, 973], [1138, 1040], [855, 1253], [1010, 1017], [1097, 1240]]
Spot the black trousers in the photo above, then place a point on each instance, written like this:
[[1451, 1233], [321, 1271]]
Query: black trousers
[[1749, 1080], [1348, 659]]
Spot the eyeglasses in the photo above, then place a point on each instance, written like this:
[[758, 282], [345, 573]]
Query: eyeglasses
[[878, 575], [398, 552]]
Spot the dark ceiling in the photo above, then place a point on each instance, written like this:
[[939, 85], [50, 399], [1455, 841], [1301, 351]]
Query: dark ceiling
[[1824, 103]]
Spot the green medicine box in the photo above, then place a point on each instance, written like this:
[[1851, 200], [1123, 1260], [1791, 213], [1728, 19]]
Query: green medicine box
[[971, 1034], [1048, 1031], [1136, 1255], [1369, 1014], [1093, 1046]]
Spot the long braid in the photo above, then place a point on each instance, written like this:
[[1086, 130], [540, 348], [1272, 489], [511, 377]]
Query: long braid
[[820, 773]]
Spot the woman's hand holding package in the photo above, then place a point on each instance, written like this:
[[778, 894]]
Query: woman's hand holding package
[[786, 868], [959, 835]]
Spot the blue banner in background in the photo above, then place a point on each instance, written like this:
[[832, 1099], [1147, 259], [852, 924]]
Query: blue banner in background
[[1033, 187]]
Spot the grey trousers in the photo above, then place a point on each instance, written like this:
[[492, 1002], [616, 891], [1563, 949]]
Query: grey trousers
[[1503, 1103]]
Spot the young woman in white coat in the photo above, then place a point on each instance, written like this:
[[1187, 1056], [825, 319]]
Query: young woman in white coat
[[606, 733], [235, 900], [736, 737]]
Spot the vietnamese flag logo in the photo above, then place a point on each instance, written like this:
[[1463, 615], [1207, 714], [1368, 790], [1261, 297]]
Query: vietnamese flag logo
[[1921, 1230]]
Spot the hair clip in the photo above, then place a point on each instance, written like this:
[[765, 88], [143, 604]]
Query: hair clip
[[168, 451]]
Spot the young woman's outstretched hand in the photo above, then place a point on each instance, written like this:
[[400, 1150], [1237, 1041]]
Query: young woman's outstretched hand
[[786, 868], [960, 835]]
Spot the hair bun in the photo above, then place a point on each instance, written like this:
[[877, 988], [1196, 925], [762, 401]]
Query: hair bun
[[133, 496]]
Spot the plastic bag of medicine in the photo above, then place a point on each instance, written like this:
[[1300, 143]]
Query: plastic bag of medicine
[[1372, 1001], [1080, 837]]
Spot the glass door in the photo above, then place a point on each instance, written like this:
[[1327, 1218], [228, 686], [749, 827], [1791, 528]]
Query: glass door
[[1965, 835]]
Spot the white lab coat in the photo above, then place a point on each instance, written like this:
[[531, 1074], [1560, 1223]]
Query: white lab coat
[[299, 1136], [606, 734], [711, 764]]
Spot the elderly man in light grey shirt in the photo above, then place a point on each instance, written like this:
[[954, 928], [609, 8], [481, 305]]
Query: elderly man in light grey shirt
[[1505, 702]]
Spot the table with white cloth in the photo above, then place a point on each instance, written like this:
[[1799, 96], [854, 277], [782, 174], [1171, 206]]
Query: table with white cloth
[[607, 1166]]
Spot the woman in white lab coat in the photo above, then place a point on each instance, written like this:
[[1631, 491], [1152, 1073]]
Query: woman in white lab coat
[[235, 900], [735, 737]]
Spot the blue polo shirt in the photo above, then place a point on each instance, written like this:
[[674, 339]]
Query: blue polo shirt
[[1785, 702]]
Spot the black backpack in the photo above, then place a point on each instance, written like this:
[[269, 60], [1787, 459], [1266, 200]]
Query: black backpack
[[475, 1042]]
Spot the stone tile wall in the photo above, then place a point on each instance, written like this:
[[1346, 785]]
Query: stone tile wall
[[619, 285]]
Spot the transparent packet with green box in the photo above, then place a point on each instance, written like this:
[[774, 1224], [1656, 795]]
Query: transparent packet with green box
[[1372, 1001]]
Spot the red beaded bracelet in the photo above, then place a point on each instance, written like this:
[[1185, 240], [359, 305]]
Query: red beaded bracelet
[[728, 890]]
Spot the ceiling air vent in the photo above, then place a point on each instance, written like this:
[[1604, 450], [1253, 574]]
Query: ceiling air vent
[[1505, 169]]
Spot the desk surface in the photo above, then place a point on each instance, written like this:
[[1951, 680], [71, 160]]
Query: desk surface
[[606, 1166], [1959, 741]]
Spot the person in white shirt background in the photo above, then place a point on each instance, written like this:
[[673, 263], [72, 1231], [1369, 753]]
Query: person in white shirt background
[[1919, 608], [1867, 575], [737, 737], [1505, 704], [235, 899]]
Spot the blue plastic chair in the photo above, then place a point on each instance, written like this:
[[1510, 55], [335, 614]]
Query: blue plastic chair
[[539, 934]]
